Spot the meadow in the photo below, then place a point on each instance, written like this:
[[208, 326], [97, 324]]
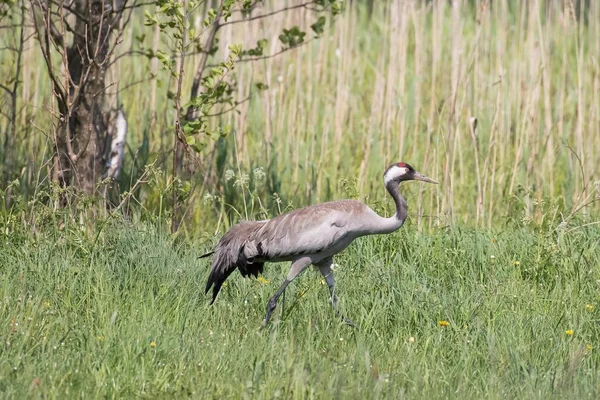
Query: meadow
[[455, 313], [490, 290]]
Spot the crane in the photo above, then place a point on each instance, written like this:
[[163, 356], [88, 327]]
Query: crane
[[305, 236]]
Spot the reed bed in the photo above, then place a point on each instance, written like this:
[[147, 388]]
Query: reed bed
[[405, 81]]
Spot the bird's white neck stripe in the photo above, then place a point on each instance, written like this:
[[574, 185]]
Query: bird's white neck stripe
[[394, 172]]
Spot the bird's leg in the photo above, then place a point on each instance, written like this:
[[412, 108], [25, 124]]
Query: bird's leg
[[325, 268], [273, 301], [297, 267]]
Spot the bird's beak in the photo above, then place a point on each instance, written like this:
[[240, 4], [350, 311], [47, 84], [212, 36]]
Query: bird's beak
[[419, 177]]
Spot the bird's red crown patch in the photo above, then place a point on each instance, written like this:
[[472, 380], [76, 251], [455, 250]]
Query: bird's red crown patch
[[402, 165]]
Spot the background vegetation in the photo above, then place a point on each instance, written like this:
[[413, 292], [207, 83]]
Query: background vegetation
[[490, 290], [399, 82]]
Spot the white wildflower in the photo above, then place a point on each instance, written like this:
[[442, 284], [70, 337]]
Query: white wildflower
[[229, 175], [280, 79], [208, 198], [259, 173], [242, 181], [338, 52]]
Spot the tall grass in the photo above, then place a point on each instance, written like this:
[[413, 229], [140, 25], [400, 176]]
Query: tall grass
[[401, 83], [123, 315]]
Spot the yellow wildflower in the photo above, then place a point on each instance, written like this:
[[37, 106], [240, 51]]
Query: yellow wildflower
[[153, 344], [443, 323], [588, 348], [516, 263], [569, 332], [589, 307], [100, 338], [262, 280], [411, 339]]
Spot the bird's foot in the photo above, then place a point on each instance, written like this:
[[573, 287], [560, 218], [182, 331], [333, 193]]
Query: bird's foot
[[263, 325], [349, 322]]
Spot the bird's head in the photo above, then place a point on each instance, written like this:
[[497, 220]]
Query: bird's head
[[401, 171]]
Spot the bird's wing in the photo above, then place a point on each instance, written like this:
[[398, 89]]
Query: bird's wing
[[227, 252], [304, 231]]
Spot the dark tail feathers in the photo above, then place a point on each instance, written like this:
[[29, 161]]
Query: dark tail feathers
[[210, 253], [217, 278]]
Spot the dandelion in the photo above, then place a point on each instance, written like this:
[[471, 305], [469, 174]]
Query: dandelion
[[589, 307], [229, 175], [153, 344], [588, 348], [443, 323], [259, 173], [516, 263], [262, 280], [569, 332]]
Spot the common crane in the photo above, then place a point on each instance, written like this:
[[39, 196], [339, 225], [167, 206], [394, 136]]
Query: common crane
[[309, 235]]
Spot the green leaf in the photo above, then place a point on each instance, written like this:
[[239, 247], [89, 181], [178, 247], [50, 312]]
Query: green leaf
[[318, 26], [236, 49], [190, 140], [261, 86], [150, 19]]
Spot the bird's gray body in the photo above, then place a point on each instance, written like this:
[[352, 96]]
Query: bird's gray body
[[317, 231], [309, 235]]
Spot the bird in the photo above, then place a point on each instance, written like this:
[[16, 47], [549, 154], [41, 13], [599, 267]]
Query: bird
[[305, 236]]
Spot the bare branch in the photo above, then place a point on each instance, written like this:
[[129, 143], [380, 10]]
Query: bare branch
[[136, 4], [46, 53], [202, 64], [302, 5], [237, 103], [267, 56]]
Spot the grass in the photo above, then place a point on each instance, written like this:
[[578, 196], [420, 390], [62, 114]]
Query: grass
[[123, 315]]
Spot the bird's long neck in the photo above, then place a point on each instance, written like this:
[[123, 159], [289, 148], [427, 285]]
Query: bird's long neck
[[387, 225], [393, 189]]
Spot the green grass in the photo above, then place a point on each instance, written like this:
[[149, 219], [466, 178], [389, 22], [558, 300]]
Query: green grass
[[78, 317]]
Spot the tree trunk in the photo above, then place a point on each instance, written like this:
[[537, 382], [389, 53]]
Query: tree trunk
[[80, 147]]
